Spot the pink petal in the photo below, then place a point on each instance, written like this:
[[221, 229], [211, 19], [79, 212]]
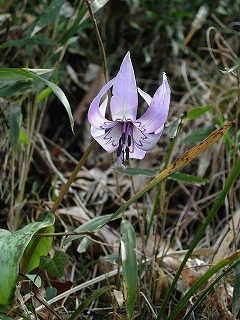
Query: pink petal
[[109, 140], [137, 153], [157, 112], [125, 98], [146, 141], [95, 117], [145, 96]]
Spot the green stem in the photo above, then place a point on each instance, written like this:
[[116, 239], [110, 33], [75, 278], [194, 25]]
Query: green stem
[[73, 176]]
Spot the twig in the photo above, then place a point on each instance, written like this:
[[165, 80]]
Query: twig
[[99, 40]]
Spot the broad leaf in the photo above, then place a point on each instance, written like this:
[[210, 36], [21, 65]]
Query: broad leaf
[[188, 178], [42, 249], [10, 75], [54, 266], [199, 134], [198, 111], [137, 172], [12, 246]]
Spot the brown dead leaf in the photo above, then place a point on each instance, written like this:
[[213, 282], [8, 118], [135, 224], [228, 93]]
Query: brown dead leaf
[[162, 284], [227, 236], [195, 268]]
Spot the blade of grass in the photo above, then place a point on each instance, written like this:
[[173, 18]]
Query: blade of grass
[[231, 179], [198, 284], [236, 293], [90, 299], [210, 287], [129, 264]]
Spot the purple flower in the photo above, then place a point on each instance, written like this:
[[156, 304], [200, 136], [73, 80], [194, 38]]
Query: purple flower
[[128, 136]]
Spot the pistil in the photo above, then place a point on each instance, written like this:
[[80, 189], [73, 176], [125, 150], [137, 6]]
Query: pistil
[[125, 142]]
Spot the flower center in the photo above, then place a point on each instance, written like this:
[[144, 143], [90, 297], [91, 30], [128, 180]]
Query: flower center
[[125, 141]]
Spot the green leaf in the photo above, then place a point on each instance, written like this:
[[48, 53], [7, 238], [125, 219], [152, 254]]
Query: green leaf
[[10, 75], [19, 88], [23, 137], [236, 293], [54, 266], [67, 37], [51, 292], [137, 172], [50, 13], [188, 178], [129, 264], [29, 41], [12, 246], [89, 300], [15, 122], [84, 244], [199, 134], [4, 317], [198, 111], [171, 128], [90, 226], [42, 249]]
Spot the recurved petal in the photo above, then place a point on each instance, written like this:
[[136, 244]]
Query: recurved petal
[[95, 117], [125, 98], [146, 141], [145, 96], [109, 139], [157, 112], [137, 153]]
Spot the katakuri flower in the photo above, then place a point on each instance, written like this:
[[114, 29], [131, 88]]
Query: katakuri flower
[[128, 136]]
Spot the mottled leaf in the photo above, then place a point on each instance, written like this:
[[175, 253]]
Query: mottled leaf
[[41, 249], [12, 246], [54, 266]]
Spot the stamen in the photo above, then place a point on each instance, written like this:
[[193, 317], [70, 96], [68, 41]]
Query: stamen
[[129, 140], [123, 156], [119, 149], [123, 138], [127, 153]]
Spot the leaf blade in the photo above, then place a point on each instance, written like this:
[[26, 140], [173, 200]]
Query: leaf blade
[[129, 264], [12, 246]]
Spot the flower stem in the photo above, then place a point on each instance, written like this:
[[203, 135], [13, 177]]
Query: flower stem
[[73, 176]]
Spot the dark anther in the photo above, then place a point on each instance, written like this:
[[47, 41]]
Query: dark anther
[[129, 140], [119, 150], [123, 156], [123, 138], [127, 153]]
